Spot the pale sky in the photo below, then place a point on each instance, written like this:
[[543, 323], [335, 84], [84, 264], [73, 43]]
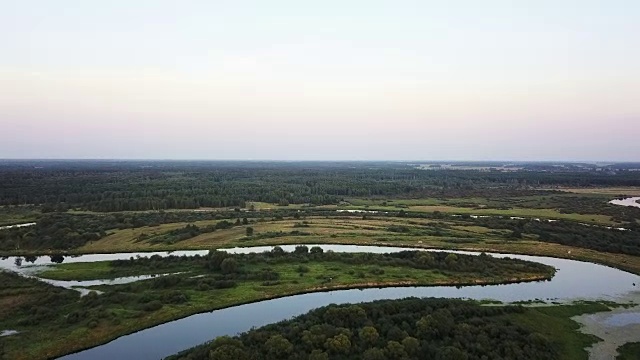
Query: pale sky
[[320, 80]]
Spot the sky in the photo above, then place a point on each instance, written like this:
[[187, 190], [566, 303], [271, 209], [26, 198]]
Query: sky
[[320, 80]]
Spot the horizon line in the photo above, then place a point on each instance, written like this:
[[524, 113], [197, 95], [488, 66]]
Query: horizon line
[[324, 160]]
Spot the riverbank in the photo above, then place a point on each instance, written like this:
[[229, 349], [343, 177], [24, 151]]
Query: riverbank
[[125, 309], [551, 329], [624, 262]]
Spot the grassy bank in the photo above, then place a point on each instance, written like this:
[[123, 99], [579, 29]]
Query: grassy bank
[[555, 323]]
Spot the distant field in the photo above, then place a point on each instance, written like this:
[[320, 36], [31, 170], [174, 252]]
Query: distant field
[[516, 212], [613, 191], [127, 239], [354, 230]]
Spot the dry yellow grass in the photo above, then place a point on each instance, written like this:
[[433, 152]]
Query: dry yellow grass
[[353, 231], [613, 191], [125, 240], [517, 212], [474, 229]]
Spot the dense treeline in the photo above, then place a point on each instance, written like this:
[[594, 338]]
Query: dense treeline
[[124, 186], [623, 240], [399, 329]]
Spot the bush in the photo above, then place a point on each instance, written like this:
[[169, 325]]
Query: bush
[[154, 305]]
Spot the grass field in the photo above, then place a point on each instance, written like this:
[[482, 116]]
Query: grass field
[[555, 323], [126, 239], [515, 212], [612, 191]]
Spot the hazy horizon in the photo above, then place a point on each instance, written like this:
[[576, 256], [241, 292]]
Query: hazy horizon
[[400, 161], [282, 80]]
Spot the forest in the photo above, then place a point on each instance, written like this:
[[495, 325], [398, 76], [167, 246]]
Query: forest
[[134, 186], [401, 329]]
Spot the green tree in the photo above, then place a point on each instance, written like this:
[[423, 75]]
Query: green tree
[[226, 352], [426, 327], [278, 251], [316, 335], [229, 266], [411, 345], [318, 355], [215, 259], [425, 259], [301, 250], [451, 259], [316, 250], [225, 347], [374, 354], [395, 350], [339, 344], [249, 231], [278, 346], [369, 335], [283, 202], [349, 316], [452, 353]]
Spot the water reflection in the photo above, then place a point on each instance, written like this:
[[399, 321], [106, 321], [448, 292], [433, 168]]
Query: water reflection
[[622, 319], [632, 201]]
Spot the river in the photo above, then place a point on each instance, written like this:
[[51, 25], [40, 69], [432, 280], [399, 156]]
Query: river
[[574, 280]]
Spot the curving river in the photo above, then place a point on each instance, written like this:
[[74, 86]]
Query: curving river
[[573, 280]]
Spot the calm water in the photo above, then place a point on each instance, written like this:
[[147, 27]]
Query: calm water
[[623, 319], [27, 265], [632, 201], [16, 226], [8, 333], [574, 280]]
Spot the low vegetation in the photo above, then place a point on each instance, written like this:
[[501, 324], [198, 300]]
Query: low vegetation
[[630, 351]]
